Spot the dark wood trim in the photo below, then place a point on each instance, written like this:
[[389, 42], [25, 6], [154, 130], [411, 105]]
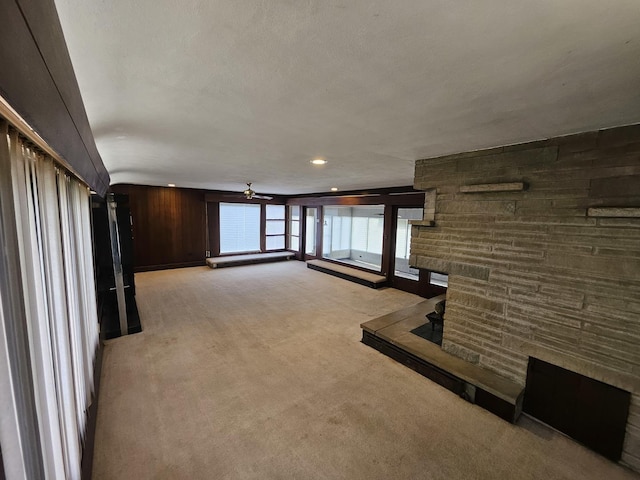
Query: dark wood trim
[[431, 290], [213, 220], [263, 228], [238, 197], [405, 199], [388, 240], [92, 417], [367, 191], [151, 268], [288, 218], [406, 285], [319, 231]]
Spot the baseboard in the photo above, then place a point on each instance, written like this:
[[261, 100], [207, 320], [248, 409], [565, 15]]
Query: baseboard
[[92, 417], [169, 266]]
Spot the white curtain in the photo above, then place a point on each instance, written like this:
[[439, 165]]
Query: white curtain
[[53, 227]]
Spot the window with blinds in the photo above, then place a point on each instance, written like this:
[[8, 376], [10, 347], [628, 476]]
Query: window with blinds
[[239, 227]]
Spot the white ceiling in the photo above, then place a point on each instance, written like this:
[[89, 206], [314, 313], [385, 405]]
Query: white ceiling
[[212, 94]]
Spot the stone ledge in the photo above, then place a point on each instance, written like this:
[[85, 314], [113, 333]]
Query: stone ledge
[[614, 212], [493, 187]]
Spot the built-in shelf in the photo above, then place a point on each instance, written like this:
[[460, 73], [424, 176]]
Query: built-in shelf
[[613, 212], [493, 187], [422, 223]]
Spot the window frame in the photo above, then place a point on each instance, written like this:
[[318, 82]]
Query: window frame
[[260, 230], [274, 235]]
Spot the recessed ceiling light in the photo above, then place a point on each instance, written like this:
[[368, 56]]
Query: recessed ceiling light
[[318, 161], [334, 189], [171, 184]]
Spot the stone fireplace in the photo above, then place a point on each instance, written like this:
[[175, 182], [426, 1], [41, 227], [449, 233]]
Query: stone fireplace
[[541, 242]]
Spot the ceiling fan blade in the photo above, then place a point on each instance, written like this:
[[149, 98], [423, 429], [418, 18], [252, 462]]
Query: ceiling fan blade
[[263, 197]]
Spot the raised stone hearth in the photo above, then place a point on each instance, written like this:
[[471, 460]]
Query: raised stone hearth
[[391, 335]]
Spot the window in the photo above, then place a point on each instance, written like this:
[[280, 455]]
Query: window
[[293, 240], [403, 242], [239, 227], [439, 279], [274, 230], [354, 235]]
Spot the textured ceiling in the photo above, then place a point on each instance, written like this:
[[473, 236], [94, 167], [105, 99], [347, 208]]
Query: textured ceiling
[[212, 94]]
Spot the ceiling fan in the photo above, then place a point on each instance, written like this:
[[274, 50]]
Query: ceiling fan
[[249, 194]]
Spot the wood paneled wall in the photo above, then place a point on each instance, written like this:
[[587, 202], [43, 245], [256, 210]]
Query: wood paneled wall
[[169, 226], [38, 81]]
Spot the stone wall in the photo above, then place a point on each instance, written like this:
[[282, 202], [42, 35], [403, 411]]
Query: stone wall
[[533, 271]]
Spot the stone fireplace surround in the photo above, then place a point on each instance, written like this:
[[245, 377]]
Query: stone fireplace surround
[[541, 242]]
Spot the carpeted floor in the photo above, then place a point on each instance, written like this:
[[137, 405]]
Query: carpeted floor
[[257, 372]]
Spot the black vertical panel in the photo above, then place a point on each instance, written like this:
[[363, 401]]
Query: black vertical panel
[[37, 80], [213, 219], [587, 410], [2, 475], [108, 312]]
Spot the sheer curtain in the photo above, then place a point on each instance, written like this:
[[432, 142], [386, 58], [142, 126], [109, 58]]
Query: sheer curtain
[[53, 244]]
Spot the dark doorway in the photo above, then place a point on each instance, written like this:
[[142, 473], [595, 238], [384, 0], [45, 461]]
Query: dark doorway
[[587, 410]]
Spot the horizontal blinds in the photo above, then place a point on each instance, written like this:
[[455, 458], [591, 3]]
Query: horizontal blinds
[[239, 227]]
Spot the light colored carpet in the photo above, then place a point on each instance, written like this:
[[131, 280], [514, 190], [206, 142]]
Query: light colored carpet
[[257, 372]]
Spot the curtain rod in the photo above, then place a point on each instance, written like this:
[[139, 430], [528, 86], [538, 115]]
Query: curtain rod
[[14, 119]]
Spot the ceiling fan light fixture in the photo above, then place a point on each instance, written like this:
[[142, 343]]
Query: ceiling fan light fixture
[[248, 193]]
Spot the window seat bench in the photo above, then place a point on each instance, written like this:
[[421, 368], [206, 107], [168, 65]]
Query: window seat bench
[[248, 259], [391, 335], [368, 279]]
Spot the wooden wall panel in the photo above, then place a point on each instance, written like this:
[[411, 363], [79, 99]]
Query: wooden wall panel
[[37, 80], [168, 226]]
